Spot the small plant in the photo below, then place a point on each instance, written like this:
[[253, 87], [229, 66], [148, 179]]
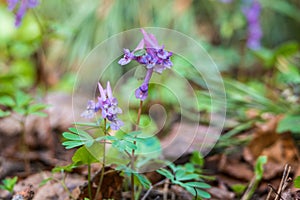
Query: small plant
[[258, 175], [9, 184], [187, 177], [125, 145], [23, 105], [62, 170]]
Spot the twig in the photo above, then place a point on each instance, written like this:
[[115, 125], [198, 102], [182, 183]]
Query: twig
[[166, 187], [273, 190], [270, 192], [153, 186], [89, 182], [284, 179]]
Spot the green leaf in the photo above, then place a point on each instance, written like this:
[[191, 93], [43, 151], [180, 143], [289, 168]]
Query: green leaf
[[297, 182], [198, 192], [72, 144], [188, 177], [7, 101], [198, 185], [238, 188], [134, 133], [66, 168], [71, 136], [143, 180], [289, 123], [189, 167], [259, 167], [37, 107], [79, 138], [172, 166], [180, 173], [203, 194], [82, 156], [81, 133], [197, 158], [4, 113], [123, 145], [166, 173], [41, 114], [22, 99], [107, 137], [9, 184], [20, 110], [45, 181]]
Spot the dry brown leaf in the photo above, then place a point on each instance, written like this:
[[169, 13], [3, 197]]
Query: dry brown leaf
[[279, 148], [235, 168], [111, 186]]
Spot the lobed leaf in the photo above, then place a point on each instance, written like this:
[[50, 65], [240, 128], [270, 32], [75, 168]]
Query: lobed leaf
[[166, 173], [7, 101], [37, 107], [143, 180], [72, 144], [198, 185], [188, 177], [4, 113]]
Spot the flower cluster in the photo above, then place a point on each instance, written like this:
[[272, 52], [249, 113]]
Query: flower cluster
[[23, 6], [252, 13], [152, 56], [108, 106]]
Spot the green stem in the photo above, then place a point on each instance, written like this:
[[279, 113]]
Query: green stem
[[40, 24], [89, 181], [133, 151], [251, 189], [24, 146], [103, 164], [67, 190]]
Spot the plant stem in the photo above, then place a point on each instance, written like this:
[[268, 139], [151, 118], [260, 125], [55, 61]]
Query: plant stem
[[251, 188], [133, 151], [67, 190], [151, 187], [89, 181], [24, 146], [103, 164]]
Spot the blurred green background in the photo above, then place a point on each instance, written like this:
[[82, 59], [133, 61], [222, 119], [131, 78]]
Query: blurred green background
[[44, 53]]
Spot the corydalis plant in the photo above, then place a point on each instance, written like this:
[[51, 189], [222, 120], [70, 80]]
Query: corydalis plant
[[148, 53], [252, 14], [108, 106], [21, 6]]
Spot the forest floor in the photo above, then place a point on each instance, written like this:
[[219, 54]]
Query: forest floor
[[231, 167]]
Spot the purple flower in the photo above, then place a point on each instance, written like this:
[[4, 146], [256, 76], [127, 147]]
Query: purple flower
[[154, 58], [128, 56], [23, 6], [91, 110], [108, 106], [142, 92], [252, 13]]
